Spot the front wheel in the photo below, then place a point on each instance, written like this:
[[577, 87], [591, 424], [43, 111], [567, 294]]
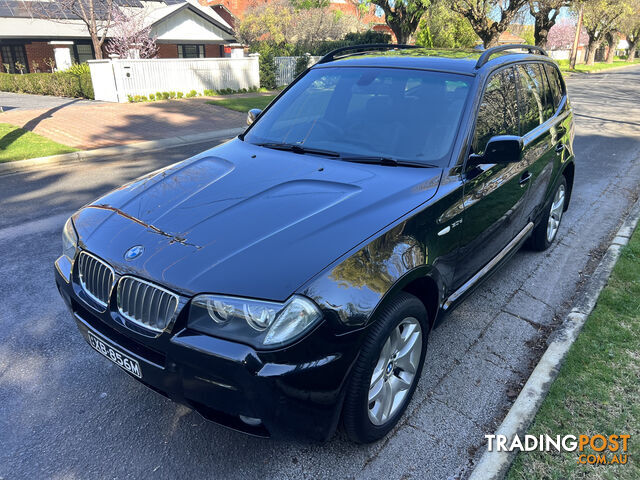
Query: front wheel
[[387, 371], [547, 230]]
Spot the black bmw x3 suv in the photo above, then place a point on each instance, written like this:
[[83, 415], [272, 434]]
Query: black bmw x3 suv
[[289, 278]]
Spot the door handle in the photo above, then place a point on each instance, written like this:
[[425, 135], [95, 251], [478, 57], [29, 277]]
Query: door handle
[[526, 176], [559, 148]]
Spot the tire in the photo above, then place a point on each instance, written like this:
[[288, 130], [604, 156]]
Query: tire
[[365, 421], [544, 234]]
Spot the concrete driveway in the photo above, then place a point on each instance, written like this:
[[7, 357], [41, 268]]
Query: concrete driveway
[[66, 412], [23, 101]]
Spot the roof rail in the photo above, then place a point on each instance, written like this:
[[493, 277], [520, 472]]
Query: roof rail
[[363, 48], [486, 55]]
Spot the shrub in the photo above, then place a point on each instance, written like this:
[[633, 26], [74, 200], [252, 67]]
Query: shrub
[[209, 93], [192, 94], [79, 69], [179, 94], [302, 62], [152, 97], [172, 94], [61, 84], [158, 95], [130, 98], [166, 95]]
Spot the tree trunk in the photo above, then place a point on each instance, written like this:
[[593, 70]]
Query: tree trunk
[[97, 46], [611, 40], [489, 38], [633, 46], [401, 35], [591, 54], [541, 27]]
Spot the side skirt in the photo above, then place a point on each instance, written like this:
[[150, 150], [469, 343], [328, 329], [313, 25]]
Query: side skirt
[[515, 242]]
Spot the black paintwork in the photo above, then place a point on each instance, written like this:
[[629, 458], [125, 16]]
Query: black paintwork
[[248, 221]]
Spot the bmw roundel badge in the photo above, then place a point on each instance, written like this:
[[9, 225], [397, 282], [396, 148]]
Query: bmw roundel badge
[[134, 252]]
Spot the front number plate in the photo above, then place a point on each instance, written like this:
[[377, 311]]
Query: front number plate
[[116, 356]]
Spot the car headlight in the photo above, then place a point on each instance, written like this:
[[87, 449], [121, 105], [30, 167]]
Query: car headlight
[[69, 240], [257, 322]]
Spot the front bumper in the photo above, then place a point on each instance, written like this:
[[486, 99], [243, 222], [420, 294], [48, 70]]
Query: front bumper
[[296, 392]]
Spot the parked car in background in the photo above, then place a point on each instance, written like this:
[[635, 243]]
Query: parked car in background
[[290, 278]]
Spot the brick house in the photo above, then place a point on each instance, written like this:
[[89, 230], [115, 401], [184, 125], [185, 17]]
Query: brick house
[[183, 29]]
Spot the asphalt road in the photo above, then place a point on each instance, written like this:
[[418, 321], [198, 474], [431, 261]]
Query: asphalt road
[[66, 412]]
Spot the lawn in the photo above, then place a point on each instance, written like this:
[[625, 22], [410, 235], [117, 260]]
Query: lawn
[[19, 144], [244, 104], [598, 389], [596, 67]]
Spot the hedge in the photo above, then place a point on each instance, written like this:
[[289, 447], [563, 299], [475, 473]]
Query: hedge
[[60, 84]]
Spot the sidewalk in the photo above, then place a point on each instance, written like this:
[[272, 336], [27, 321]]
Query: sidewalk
[[110, 124]]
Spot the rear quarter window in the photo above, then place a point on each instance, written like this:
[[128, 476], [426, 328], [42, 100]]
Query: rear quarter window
[[555, 84], [535, 97]]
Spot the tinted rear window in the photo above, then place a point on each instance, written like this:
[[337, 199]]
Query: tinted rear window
[[537, 106], [498, 114], [555, 83]]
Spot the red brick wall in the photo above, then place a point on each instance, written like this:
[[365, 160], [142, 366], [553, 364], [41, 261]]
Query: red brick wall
[[167, 50], [226, 15], [38, 52], [211, 50], [236, 7]]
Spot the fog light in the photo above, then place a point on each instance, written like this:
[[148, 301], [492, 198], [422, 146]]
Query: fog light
[[254, 422]]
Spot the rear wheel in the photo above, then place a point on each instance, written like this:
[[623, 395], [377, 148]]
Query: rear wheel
[[547, 230], [387, 371]]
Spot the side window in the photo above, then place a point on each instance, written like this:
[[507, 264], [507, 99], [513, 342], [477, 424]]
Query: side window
[[498, 114], [533, 97], [555, 84]]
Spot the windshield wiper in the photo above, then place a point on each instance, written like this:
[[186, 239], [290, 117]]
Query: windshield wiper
[[295, 148], [381, 160]]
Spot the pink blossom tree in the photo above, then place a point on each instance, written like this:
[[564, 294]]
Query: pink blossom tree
[[130, 36]]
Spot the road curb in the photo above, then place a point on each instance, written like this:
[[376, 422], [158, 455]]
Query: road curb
[[107, 152], [495, 465]]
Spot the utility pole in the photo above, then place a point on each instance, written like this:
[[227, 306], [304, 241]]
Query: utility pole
[[576, 41]]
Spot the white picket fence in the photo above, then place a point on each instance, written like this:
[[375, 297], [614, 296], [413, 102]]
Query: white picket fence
[[286, 68], [114, 80]]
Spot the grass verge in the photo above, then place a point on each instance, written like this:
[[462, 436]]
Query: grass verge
[[598, 387], [243, 104], [19, 144], [596, 67]]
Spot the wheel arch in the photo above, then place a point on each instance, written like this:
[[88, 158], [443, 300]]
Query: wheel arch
[[422, 282], [568, 172]]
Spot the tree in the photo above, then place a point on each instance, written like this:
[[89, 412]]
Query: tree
[[630, 26], [600, 18], [281, 24], [478, 11], [130, 36], [441, 27], [403, 16], [95, 14], [545, 14], [612, 39]]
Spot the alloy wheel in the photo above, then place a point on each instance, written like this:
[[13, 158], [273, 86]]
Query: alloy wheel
[[395, 371], [555, 214]]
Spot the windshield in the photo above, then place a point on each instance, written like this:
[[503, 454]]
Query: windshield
[[401, 114]]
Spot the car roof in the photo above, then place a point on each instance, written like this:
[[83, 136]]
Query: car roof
[[443, 60]]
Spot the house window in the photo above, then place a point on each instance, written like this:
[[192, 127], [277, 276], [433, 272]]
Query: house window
[[190, 51], [12, 54], [83, 52]]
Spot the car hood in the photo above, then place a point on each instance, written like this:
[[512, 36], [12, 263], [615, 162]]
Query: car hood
[[245, 220]]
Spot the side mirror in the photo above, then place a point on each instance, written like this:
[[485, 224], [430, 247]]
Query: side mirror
[[252, 115], [500, 149]]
